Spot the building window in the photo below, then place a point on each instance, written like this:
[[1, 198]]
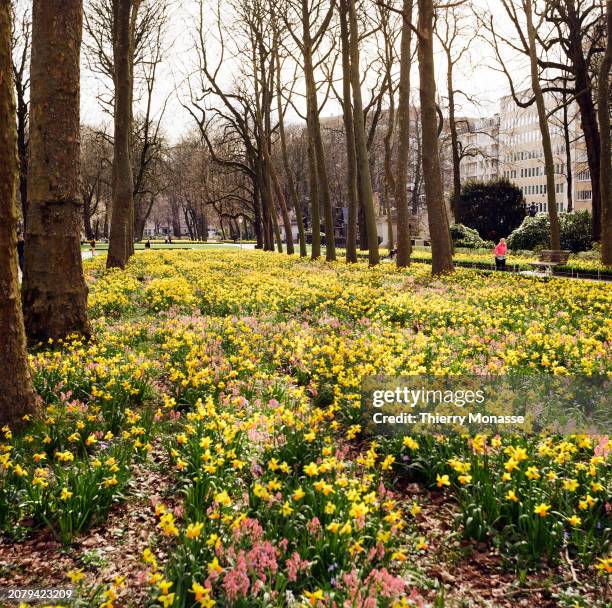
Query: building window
[[584, 176]]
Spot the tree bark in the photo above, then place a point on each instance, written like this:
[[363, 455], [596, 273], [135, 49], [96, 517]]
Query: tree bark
[[441, 247], [583, 91], [22, 148], [349, 132], [257, 224], [16, 393], [605, 161], [288, 173], [122, 221], [54, 290], [313, 189], [404, 245], [318, 154], [452, 125], [568, 151], [549, 163], [389, 184], [360, 139]]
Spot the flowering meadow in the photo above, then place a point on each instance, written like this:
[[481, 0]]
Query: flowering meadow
[[230, 380]]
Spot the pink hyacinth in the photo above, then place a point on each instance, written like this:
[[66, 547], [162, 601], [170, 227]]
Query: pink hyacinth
[[236, 581]]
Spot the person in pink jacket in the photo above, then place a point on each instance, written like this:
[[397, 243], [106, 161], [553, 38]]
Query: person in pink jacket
[[500, 254]]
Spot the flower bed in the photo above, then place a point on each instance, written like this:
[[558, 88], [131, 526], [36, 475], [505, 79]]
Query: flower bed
[[245, 368]]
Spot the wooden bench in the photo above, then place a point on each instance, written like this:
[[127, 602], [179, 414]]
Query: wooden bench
[[549, 258]]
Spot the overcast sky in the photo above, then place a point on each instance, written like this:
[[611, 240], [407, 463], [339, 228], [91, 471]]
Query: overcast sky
[[476, 76]]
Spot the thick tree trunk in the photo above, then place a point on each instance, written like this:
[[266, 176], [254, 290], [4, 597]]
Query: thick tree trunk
[[441, 247], [121, 233], [16, 393], [606, 156], [54, 290], [403, 148], [349, 132], [549, 163], [360, 139]]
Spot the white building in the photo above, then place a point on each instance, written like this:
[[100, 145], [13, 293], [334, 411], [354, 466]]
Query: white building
[[479, 148]]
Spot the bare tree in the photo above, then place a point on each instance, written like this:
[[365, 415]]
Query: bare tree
[[403, 152], [441, 246], [521, 14], [451, 32], [54, 290], [578, 37], [349, 131], [365, 178], [389, 30], [21, 47], [96, 163], [297, 207], [120, 246], [16, 392], [314, 18], [603, 100]]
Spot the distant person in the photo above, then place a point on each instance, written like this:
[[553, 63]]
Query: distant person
[[147, 244], [20, 251], [92, 247], [169, 240], [533, 210], [500, 254]]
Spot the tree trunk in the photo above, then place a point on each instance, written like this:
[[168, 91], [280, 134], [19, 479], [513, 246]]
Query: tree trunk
[[330, 239], [360, 139], [349, 132], [22, 149], [314, 129], [280, 197], [389, 185], [452, 125], [275, 226], [313, 188], [441, 247], [389, 181], [403, 150], [288, 173], [583, 91], [605, 176], [549, 163], [568, 151], [122, 221], [54, 290], [257, 225], [16, 393], [89, 233]]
